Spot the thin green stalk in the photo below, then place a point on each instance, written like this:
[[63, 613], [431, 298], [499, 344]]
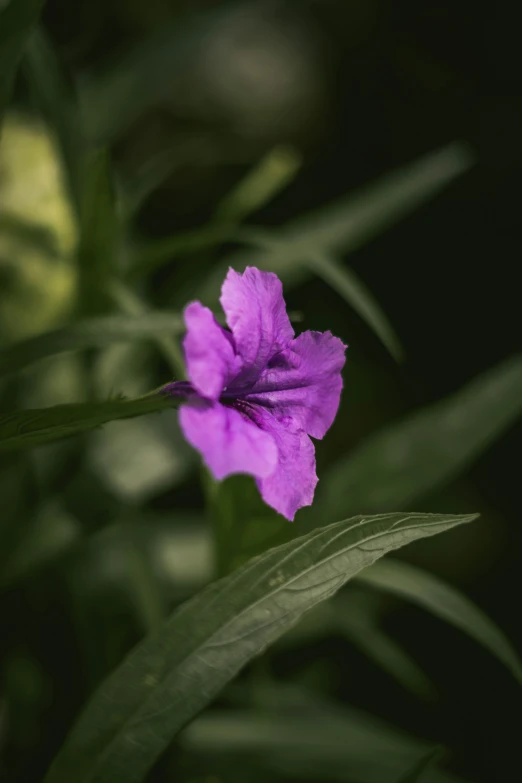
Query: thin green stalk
[[221, 518]]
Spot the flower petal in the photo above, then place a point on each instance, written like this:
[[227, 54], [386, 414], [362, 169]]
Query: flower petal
[[304, 382], [209, 352], [227, 439], [256, 315], [292, 483]]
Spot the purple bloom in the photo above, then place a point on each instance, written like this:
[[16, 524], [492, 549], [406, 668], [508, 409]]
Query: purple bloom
[[256, 392]]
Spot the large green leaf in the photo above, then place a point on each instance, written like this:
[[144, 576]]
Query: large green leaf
[[446, 602], [407, 460], [92, 333], [172, 675], [17, 19], [27, 428]]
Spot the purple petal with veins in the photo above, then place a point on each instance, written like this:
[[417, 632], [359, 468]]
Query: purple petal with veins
[[255, 393]]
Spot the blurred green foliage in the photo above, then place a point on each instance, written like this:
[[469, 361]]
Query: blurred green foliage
[[368, 155]]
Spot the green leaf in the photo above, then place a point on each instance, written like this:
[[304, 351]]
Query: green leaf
[[351, 222], [28, 428], [271, 175], [143, 585], [352, 289], [340, 228], [100, 234], [446, 602], [243, 526], [364, 632], [17, 19], [312, 741], [92, 333], [58, 104], [150, 256], [355, 615], [172, 675], [407, 460], [136, 189], [130, 303]]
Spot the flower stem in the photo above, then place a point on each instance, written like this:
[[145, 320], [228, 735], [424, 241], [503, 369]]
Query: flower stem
[[221, 518]]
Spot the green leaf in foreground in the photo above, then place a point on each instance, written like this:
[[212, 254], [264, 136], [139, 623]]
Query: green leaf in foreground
[[17, 19], [93, 333], [173, 674], [27, 428], [446, 602], [407, 460]]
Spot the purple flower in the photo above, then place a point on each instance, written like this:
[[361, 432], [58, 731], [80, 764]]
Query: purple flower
[[256, 392]]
